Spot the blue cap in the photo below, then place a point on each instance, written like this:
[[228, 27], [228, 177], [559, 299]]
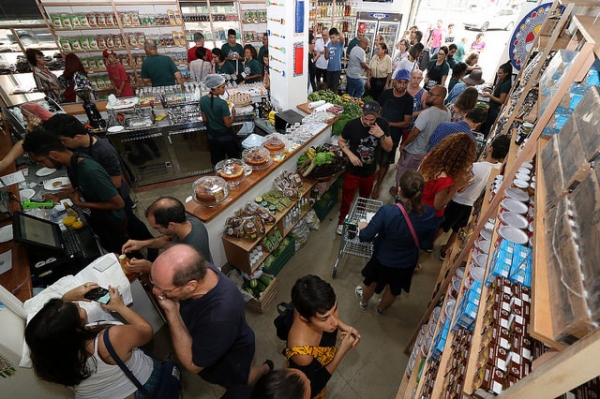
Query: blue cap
[[402, 74]]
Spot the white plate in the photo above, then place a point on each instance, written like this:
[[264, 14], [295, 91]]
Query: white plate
[[123, 103], [512, 205], [115, 129], [45, 171], [50, 184], [26, 193], [513, 234], [6, 233]]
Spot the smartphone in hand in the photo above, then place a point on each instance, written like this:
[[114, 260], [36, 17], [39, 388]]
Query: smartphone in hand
[[100, 295]]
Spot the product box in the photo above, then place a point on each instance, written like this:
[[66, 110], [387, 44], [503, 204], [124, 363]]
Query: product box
[[553, 175], [572, 155]]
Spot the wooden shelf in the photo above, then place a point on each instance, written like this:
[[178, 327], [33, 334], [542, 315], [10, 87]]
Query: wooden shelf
[[116, 27], [590, 29], [541, 313]]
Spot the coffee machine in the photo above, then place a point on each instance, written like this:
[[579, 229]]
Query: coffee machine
[[95, 119]]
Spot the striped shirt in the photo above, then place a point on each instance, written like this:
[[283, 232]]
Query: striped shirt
[[44, 80]]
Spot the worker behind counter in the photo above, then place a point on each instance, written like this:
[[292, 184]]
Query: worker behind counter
[[157, 69]]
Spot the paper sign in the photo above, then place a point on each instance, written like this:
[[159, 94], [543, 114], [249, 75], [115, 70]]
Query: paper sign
[[13, 178]]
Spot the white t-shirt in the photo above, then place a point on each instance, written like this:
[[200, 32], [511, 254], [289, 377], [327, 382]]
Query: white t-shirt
[[321, 62], [404, 64], [426, 122], [357, 57], [482, 171], [199, 70]]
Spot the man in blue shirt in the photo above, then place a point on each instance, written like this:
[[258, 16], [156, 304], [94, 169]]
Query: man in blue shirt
[[472, 121], [333, 53]]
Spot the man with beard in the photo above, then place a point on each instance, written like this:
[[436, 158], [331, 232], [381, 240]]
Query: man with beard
[[362, 140], [397, 109], [206, 318], [90, 181], [414, 148]]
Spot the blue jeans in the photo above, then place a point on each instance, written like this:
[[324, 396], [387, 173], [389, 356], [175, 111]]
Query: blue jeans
[[356, 87]]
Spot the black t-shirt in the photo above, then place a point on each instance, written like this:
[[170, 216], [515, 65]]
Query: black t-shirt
[[365, 146], [394, 110]]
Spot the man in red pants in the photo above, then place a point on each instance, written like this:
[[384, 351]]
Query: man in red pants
[[363, 140]]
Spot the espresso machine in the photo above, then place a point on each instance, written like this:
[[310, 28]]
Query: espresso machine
[[86, 95]]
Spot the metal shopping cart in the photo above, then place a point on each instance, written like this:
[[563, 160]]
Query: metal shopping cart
[[363, 209]]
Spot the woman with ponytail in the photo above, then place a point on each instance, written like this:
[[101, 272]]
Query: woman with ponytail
[[397, 230]]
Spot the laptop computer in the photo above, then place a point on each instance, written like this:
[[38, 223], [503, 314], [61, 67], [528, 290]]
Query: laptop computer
[[53, 248]]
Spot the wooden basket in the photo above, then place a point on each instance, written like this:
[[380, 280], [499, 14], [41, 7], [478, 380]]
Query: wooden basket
[[268, 295]]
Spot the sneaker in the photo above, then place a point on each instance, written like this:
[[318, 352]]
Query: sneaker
[[340, 229], [358, 291], [379, 311]]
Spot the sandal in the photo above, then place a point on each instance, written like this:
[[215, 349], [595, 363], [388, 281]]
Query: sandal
[[270, 364]]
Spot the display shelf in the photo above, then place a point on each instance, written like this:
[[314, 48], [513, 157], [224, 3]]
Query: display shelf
[[86, 28], [541, 313], [589, 29], [238, 249]]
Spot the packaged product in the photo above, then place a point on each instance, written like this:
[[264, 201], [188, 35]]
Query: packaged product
[[126, 18], [176, 38], [110, 19], [84, 42], [118, 41], [135, 18], [93, 43], [151, 20], [178, 19], [66, 20], [93, 64], [101, 40], [92, 20], [171, 17], [110, 41], [84, 62], [101, 19], [56, 21], [65, 45], [143, 19], [75, 45], [75, 21], [101, 82], [133, 40], [141, 38], [83, 21]]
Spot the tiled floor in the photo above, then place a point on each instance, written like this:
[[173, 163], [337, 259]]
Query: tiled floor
[[371, 371]]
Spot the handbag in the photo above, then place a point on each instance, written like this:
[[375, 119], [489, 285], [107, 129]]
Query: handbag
[[410, 226], [168, 386]]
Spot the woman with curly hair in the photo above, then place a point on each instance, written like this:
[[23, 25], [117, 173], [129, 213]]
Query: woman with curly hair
[[67, 351], [466, 101], [447, 170]]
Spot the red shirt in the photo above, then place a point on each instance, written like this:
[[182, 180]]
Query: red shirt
[[432, 187], [192, 54], [117, 76]]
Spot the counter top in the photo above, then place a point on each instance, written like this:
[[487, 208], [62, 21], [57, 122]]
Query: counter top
[[18, 278], [207, 214]]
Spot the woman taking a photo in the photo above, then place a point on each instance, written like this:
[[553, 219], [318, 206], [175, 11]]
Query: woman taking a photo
[[438, 69], [380, 71], [46, 81], [218, 119], [497, 95], [67, 351], [396, 252], [400, 53], [311, 344]]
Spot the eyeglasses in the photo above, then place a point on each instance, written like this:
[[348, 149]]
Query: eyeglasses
[[163, 293]]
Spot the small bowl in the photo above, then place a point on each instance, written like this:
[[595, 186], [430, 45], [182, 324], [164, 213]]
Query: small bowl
[[511, 205], [513, 234], [520, 183], [516, 194], [523, 176]]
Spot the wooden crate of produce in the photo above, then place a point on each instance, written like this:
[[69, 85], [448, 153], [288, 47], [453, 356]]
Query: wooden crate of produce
[[267, 297]]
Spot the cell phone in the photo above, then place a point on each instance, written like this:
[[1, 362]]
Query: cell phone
[[100, 295]]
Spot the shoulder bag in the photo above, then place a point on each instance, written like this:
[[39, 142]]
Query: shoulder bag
[[168, 386], [410, 226]]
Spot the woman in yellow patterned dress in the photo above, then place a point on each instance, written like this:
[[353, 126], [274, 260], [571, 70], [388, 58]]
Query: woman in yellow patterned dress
[[311, 345]]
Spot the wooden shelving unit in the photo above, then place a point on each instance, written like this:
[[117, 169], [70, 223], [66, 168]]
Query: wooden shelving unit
[[112, 7], [573, 365]]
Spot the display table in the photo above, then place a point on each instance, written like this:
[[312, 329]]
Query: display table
[[255, 185]]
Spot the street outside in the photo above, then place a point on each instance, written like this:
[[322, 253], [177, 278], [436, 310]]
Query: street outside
[[496, 40]]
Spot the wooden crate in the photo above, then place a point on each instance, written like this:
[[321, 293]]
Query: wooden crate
[[268, 295]]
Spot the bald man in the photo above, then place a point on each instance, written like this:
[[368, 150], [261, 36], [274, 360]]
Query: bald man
[[157, 69], [206, 318], [167, 216]]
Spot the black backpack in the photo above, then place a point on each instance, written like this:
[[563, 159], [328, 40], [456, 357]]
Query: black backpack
[[283, 322]]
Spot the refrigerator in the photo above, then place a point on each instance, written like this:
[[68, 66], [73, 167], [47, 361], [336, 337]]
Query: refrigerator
[[380, 23]]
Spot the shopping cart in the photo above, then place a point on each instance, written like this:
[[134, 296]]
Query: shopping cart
[[363, 210]]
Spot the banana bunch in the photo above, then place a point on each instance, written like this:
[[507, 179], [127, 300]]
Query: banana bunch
[[347, 98], [310, 153]]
